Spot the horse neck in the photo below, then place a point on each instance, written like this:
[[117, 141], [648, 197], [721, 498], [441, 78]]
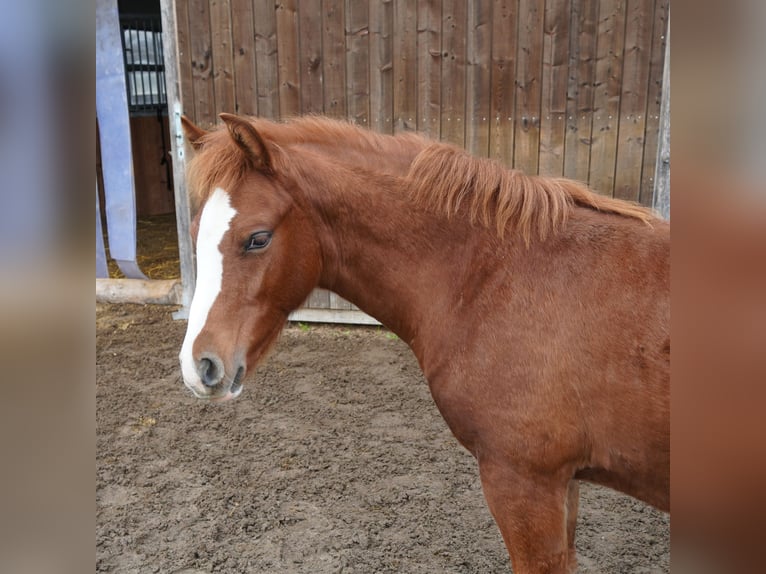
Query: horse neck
[[394, 261]]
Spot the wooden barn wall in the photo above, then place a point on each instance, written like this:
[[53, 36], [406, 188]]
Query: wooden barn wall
[[556, 87], [151, 169]]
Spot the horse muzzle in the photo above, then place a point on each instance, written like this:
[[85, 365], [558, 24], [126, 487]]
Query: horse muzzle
[[208, 379]]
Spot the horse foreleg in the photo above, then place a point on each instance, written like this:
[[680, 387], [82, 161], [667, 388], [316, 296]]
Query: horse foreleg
[[534, 514], [573, 503]]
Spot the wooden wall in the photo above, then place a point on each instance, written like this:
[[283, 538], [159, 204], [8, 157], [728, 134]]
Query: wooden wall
[[559, 87], [153, 175]]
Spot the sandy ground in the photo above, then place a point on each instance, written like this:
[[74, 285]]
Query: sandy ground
[[334, 459]]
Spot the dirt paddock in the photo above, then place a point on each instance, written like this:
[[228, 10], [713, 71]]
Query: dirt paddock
[[334, 459]]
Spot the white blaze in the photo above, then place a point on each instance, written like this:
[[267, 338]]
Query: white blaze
[[214, 223]]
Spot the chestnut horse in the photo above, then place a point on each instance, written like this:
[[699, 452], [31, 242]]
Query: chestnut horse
[[538, 310]]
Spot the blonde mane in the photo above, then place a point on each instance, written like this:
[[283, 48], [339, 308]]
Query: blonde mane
[[447, 179]]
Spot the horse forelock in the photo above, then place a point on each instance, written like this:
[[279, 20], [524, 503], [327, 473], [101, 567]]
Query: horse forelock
[[447, 179], [218, 164]]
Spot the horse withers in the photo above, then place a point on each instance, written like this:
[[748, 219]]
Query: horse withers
[[538, 310]]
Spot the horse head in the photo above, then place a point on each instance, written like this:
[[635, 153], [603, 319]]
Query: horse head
[[257, 258]]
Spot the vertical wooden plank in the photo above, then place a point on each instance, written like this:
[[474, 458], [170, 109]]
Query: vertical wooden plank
[[310, 56], [174, 39], [582, 72], [154, 185], [381, 66], [287, 58], [358, 62], [554, 87], [338, 302], [183, 49], [266, 63], [201, 53], [478, 50], [243, 43], [503, 94], [429, 67], [454, 26], [661, 195], [606, 109], [529, 86], [633, 100], [334, 57], [223, 56], [405, 66], [318, 299], [654, 99]]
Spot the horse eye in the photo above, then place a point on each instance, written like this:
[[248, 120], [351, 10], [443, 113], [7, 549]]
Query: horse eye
[[258, 240]]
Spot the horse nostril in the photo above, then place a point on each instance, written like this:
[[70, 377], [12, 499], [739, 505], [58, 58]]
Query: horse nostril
[[210, 373]]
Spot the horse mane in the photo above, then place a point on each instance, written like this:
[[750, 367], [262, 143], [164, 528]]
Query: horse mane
[[334, 132], [219, 161], [442, 177], [445, 178]]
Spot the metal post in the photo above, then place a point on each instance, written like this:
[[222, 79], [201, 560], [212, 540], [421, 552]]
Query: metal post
[[114, 127], [101, 268]]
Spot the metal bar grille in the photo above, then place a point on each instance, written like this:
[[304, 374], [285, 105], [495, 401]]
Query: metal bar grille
[[144, 66]]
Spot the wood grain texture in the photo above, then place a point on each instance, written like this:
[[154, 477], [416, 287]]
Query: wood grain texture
[[153, 182], [454, 27], [358, 62], [334, 58], [503, 80], [478, 53], [554, 87], [175, 26], [654, 101], [429, 67], [266, 62], [661, 193], [287, 58], [381, 66], [201, 54], [346, 316], [318, 299], [526, 149], [139, 291], [310, 56], [608, 89], [566, 87], [581, 89], [633, 100], [243, 44], [405, 66], [183, 49], [223, 57]]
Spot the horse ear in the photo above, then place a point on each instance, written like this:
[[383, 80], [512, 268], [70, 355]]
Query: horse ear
[[193, 133], [249, 141]]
